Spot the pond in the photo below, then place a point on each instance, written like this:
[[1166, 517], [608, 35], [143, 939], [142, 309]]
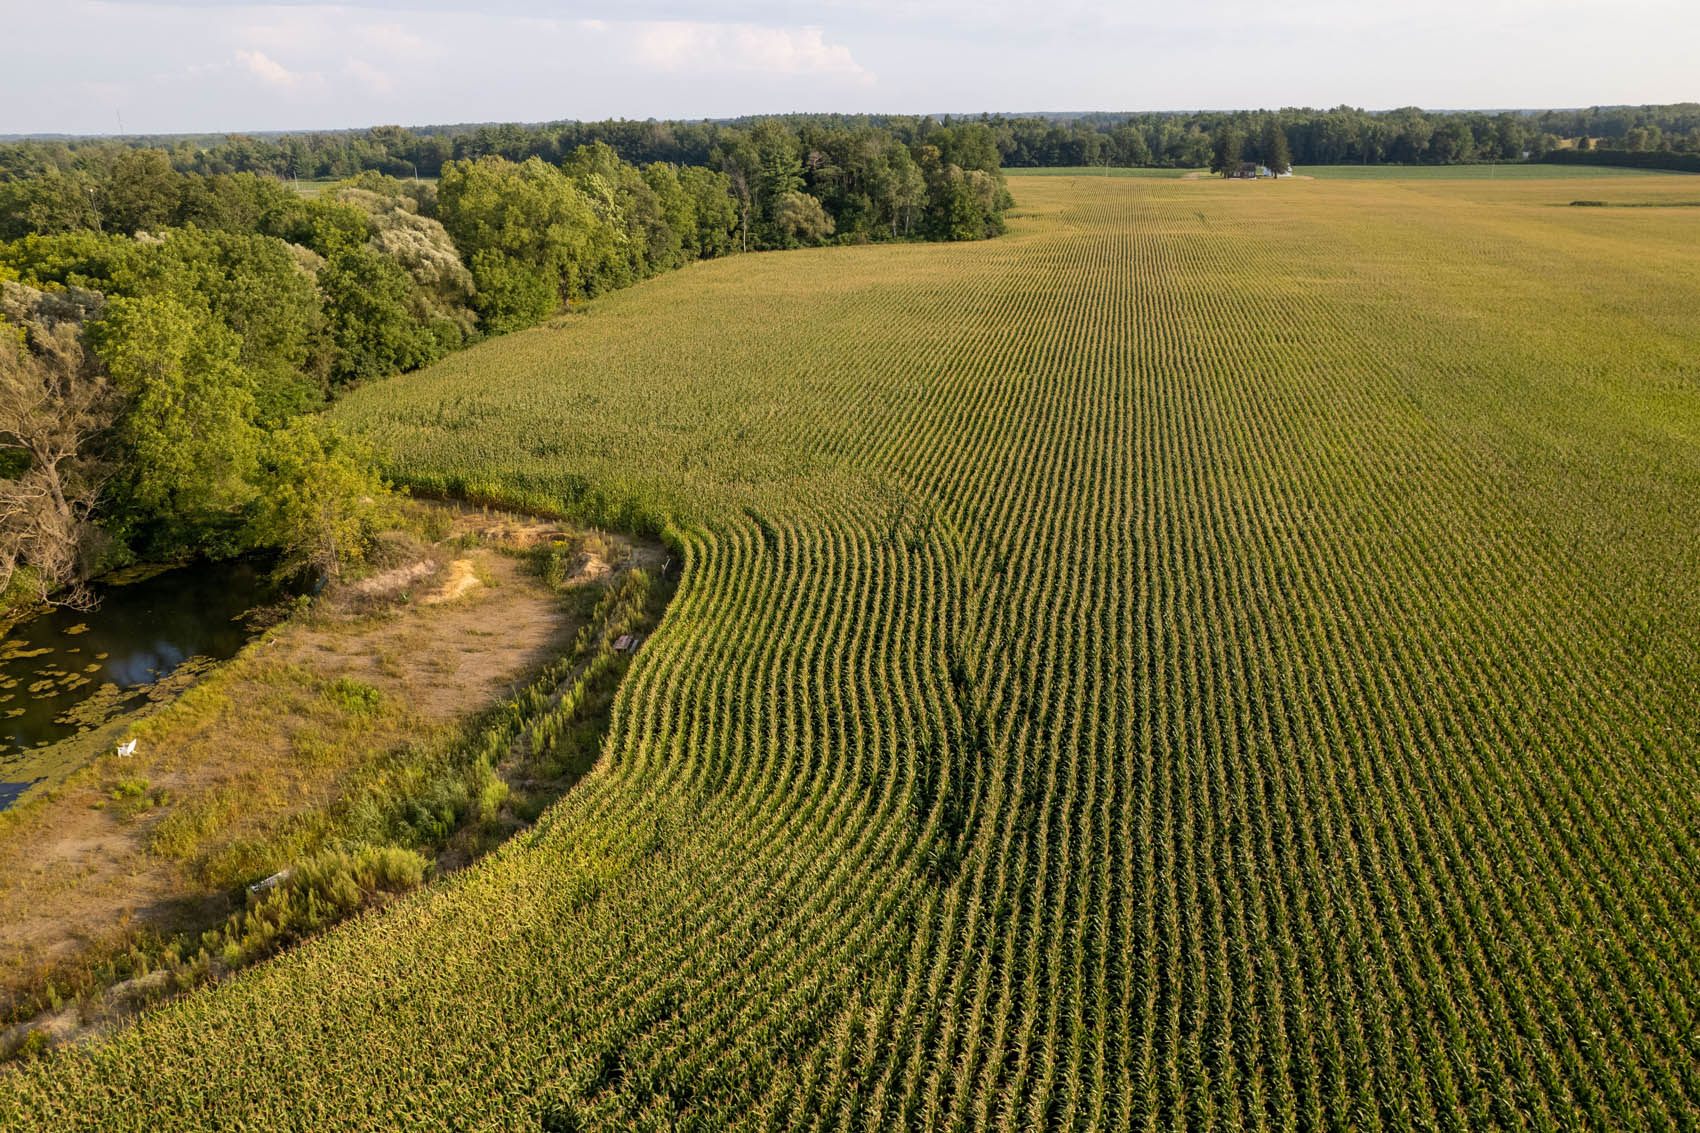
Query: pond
[[67, 673]]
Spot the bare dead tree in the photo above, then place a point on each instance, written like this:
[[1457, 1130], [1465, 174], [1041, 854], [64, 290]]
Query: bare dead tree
[[54, 401]]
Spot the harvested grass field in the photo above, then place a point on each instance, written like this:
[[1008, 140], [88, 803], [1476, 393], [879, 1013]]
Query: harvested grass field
[[1222, 656]]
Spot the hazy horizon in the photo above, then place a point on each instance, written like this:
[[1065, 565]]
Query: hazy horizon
[[953, 114], [200, 66]]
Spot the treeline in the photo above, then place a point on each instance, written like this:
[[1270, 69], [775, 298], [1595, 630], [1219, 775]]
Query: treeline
[[1232, 148], [870, 183], [1340, 136], [167, 336], [424, 151], [1633, 159], [1184, 140]]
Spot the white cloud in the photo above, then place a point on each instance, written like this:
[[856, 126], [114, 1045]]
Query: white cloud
[[690, 46], [395, 40], [374, 80], [800, 52], [269, 70], [673, 45]]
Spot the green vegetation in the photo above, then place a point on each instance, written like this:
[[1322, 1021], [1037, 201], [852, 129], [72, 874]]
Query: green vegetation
[[165, 335], [1637, 204], [836, 156], [1685, 160], [1209, 659]]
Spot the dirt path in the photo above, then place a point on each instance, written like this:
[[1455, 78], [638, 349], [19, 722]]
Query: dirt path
[[159, 840]]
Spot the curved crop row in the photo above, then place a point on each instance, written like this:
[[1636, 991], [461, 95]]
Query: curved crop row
[[1220, 657]]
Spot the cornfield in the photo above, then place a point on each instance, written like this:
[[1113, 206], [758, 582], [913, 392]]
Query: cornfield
[[1223, 656]]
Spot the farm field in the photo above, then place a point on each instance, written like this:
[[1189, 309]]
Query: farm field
[[1488, 171], [1094, 171], [313, 188], [1219, 656]]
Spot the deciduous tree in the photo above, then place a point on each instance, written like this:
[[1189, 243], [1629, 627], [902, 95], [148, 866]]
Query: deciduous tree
[[1277, 155], [800, 219], [320, 499], [1225, 154], [186, 443]]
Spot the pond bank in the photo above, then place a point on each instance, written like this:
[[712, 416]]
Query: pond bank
[[65, 673], [388, 716]]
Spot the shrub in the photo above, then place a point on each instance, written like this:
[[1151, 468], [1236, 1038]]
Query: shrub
[[353, 696]]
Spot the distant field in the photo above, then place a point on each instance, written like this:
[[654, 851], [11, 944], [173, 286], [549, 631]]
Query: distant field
[[1095, 171], [1534, 171], [314, 188], [1538, 172], [1221, 656]]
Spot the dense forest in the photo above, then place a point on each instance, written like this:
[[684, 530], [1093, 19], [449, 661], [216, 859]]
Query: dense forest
[[832, 143], [168, 333]]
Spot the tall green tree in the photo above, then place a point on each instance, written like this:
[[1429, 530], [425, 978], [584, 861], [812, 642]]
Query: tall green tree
[[187, 440], [779, 170], [255, 287], [673, 242], [1227, 149], [139, 190], [714, 208], [369, 304], [48, 204], [523, 229], [251, 285], [320, 498], [899, 190], [1277, 154]]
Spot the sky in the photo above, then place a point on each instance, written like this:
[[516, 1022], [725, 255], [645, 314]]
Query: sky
[[141, 67]]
